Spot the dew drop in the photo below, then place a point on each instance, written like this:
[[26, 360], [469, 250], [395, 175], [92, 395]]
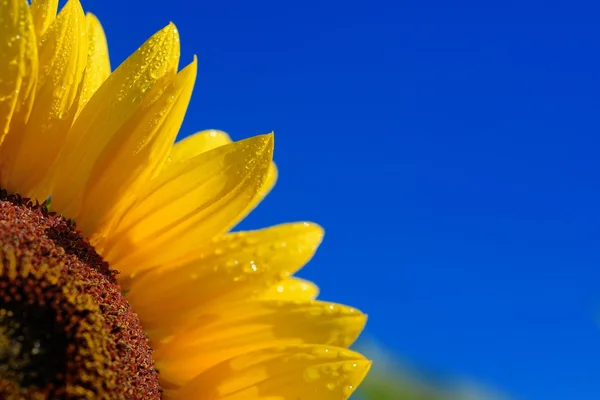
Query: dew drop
[[250, 241], [349, 367], [311, 375], [232, 263], [348, 390], [250, 268]]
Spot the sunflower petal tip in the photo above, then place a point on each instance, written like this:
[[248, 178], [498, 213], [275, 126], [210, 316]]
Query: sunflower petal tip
[[315, 230], [193, 65], [365, 365], [92, 17], [266, 142], [363, 320], [170, 30], [357, 372], [309, 234], [73, 5]]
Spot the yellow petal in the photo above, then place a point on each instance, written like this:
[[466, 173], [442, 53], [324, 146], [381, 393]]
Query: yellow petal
[[135, 153], [233, 267], [308, 372], [294, 289], [249, 326], [210, 139], [44, 13], [62, 57], [189, 205], [137, 81], [18, 64], [196, 144], [98, 64], [266, 188]]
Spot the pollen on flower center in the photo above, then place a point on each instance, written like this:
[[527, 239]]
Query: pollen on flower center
[[66, 330]]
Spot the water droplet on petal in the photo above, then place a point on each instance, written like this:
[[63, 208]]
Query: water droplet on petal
[[311, 375]]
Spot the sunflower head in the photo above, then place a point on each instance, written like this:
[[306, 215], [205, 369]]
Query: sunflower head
[[133, 270], [65, 327]]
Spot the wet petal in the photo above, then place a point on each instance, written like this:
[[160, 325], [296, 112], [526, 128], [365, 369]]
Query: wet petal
[[232, 267], [284, 373], [294, 289], [266, 188], [18, 64], [196, 144], [139, 80], [98, 64], [189, 205], [136, 151], [248, 326], [44, 13], [62, 56], [204, 141]]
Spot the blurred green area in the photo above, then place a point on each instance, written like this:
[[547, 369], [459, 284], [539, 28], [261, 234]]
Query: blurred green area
[[392, 379], [383, 388]]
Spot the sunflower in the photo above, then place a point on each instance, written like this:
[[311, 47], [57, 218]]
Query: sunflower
[[118, 277]]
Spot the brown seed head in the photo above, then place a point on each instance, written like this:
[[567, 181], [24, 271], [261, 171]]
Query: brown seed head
[[66, 330]]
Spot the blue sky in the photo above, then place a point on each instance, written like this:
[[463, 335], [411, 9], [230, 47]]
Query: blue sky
[[449, 149]]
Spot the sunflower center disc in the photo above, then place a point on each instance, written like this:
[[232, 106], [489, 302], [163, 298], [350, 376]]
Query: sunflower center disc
[[66, 330], [29, 342]]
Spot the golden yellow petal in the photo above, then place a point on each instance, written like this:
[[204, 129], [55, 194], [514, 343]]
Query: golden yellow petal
[[243, 327], [189, 204], [62, 56], [44, 13], [309, 372], [18, 64], [139, 80], [266, 188], [196, 144], [294, 289], [210, 139], [136, 151], [98, 64], [232, 267]]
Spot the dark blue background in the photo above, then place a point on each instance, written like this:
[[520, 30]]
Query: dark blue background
[[449, 149]]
